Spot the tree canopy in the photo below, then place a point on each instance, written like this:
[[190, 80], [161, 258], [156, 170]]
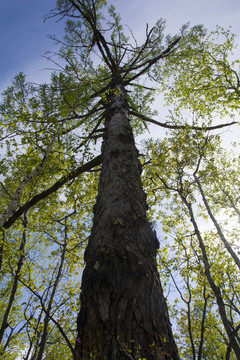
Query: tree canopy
[[50, 163]]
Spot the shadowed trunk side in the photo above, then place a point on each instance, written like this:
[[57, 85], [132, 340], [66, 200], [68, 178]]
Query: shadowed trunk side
[[123, 311]]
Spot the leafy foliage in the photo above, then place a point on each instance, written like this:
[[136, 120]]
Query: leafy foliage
[[49, 166], [179, 169]]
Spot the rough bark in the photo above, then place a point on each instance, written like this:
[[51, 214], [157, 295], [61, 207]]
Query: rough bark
[[123, 311]]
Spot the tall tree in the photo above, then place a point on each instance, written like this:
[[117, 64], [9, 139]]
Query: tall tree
[[188, 178], [123, 311], [49, 133]]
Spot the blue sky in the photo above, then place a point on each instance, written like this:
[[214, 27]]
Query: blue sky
[[23, 38]]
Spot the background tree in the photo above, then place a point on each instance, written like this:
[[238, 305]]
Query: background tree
[[204, 271]]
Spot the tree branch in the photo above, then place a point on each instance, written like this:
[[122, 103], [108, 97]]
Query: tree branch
[[147, 64], [169, 126], [51, 318], [62, 181], [16, 197]]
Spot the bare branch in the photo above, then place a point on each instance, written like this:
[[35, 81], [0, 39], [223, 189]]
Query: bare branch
[[147, 64], [169, 126]]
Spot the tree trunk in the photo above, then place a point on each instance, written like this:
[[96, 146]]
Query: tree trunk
[[123, 311], [216, 290], [44, 336], [15, 281], [216, 224]]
